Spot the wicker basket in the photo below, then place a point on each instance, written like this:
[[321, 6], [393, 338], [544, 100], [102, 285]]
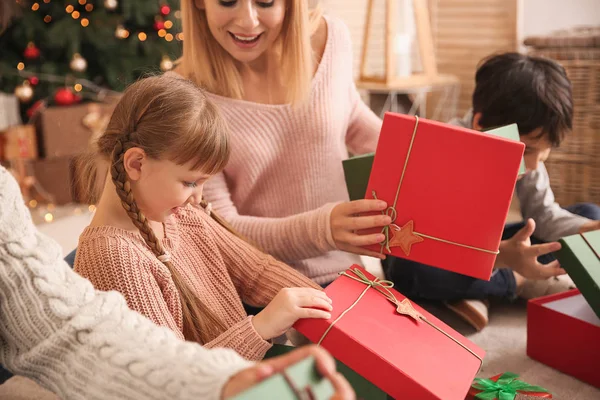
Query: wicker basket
[[574, 168]]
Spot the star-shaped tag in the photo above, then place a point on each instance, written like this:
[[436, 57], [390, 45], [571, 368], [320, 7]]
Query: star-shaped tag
[[404, 237], [405, 308]]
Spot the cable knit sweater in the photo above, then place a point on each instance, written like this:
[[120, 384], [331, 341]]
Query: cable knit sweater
[[285, 172], [85, 344], [220, 268]]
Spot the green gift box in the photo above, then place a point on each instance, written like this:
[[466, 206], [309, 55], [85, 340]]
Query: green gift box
[[357, 171], [509, 132], [298, 381], [580, 257], [364, 389]]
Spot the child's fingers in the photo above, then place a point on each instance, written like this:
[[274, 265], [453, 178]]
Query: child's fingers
[[354, 239], [314, 302], [541, 249], [343, 390], [313, 313], [551, 269]]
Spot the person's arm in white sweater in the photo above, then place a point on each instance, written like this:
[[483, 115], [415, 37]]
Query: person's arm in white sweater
[[85, 344]]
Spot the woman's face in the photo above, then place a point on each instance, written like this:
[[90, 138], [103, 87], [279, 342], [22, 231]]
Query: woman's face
[[246, 29]]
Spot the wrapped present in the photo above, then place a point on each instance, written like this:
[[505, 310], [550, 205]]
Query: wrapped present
[[580, 257], [299, 381], [54, 175], [448, 191], [19, 143], [400, 348], [364, 389], [563, 332], [67, 131], [506, 387], [356, 172]]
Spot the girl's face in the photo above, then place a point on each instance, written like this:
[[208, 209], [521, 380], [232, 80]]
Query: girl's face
[[161, 186], [244, 28]]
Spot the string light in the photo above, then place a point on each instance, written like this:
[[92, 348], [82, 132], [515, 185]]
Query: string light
[[162, 33], [47, 19], [92, 208], [142, 36], [46, 1], [48, 217], [35, 6], [85, 22], [89, 7], [51, 207], [179, 36], [178, 14], [82, 2], [20, 66], [78, 87], [169, 37], [69, 9], [75, 14], [168, 24], [33, 203]]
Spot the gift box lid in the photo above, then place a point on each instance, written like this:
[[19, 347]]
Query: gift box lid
[[357, 171], [448, 190], [509, 132], [399, 347], [296, 382], [580, 257]]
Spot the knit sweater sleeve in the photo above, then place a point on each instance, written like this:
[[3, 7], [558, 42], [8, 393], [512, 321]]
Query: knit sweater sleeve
[[86, 344], [111, 264], [292, 238], [257, 276]]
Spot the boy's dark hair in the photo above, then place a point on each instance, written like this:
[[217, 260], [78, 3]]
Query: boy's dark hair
[[530, 91]]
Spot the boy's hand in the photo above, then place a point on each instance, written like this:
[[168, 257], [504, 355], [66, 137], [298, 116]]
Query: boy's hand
[[518, 254], [590, 226]]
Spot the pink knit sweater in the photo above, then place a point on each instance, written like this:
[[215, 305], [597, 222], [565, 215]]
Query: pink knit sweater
[[219, 267], [285, 173]]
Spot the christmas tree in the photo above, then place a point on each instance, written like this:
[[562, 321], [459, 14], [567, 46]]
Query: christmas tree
[[59, 52]]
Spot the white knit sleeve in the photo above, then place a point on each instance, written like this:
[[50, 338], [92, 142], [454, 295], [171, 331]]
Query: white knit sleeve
[[84, 344]]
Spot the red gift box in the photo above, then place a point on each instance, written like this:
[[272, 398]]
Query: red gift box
[[448, 190], [564, 335], [408, 356], [509, 384]]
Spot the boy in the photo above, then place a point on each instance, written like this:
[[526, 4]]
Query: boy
[[536, 94]]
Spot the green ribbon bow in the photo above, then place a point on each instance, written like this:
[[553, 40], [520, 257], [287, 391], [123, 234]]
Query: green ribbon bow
[[504, 389]]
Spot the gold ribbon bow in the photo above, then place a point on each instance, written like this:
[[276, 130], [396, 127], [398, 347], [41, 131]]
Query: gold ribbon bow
[[406, 236], [403, 307]]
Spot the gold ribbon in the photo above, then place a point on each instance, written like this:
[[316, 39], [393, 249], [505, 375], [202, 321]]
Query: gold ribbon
[[391, 211], [403, 307]]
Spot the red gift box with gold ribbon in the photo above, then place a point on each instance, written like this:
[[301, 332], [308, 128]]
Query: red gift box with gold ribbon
[[393, 343], [448, 191]]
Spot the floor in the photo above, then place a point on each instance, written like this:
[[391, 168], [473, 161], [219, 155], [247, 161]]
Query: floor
[[504, 339]]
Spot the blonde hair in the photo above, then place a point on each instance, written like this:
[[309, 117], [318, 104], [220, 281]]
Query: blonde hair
[[169, 118], [209, 65]]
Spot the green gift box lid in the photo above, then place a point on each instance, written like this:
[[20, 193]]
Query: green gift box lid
[[303, 377], [364, 389], [357, 171], [509, 132], [580, 257]]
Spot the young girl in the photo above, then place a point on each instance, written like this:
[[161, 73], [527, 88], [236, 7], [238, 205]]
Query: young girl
[[283, 79], [172, 261]]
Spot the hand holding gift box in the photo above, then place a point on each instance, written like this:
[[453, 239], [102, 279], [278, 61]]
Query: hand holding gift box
[[505, 387], [401, 348], [448, 191], [300, 381]]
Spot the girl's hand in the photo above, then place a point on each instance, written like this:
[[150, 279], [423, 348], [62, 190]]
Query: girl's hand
[[287, 307]]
